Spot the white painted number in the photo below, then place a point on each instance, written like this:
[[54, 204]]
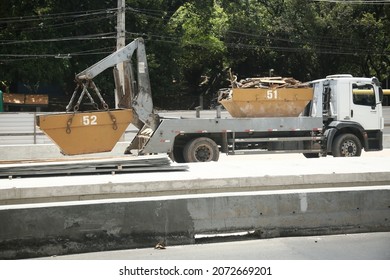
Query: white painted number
[[272, 94], [90, 120]]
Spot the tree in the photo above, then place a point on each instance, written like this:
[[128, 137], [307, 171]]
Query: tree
[[199, 27], [44, 42], [190, 44]]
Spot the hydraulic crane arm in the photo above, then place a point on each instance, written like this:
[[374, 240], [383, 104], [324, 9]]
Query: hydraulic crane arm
[[122, 55], [136, 92], [98, 131]]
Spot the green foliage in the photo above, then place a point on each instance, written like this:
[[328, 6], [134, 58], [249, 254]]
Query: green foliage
[[191, 44], [200, 50]]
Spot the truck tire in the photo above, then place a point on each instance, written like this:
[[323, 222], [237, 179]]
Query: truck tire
[[200, 150], [346, 145], [177, 154], [311, 155]]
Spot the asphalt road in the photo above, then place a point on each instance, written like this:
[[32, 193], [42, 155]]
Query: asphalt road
[[363, 246]]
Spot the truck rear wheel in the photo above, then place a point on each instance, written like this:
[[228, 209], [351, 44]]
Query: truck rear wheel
[[177, 154], [200, 150], [347, 145]]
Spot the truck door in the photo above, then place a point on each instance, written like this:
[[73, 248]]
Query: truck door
[[365, 106]]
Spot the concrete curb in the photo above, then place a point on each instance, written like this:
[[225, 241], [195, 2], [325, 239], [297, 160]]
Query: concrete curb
[[75, 227], [77, 214], [107, 188]]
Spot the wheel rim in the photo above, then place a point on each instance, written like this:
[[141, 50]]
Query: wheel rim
[[349, 148], [203, 153]]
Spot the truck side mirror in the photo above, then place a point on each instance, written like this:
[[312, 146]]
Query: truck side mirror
[[380, 95], [376, 81], [378, 84]]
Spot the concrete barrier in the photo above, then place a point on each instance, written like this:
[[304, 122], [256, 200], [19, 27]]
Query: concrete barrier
[[73, 188], [45, 229]]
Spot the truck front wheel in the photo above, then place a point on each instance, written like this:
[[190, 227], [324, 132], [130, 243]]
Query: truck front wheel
[[200, 150], [346, 145]]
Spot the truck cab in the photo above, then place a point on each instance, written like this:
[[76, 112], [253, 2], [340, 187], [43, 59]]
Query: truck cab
[[349, 106]]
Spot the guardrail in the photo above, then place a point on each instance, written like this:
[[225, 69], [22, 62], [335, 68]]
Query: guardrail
[[20, 128]]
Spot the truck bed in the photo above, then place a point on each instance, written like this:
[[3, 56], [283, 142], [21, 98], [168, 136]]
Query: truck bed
[[163, 137]]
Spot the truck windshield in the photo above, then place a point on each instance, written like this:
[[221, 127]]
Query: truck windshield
[[363, 94]]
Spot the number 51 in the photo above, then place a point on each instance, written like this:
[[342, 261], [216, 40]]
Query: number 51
[[272, 94]]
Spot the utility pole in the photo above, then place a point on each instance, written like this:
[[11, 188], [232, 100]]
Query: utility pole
[[120, 43]]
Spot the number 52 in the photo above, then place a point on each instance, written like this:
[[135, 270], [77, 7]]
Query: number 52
[[90, 120]]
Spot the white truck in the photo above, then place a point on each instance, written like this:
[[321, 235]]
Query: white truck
[[343, 117]]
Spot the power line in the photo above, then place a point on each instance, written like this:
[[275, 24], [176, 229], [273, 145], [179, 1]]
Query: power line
[[336, 47], [356, 2], [20, 57], [167, 40], [72, 15], [150, 12], [318, 42], [56, 16], [42, 26], [313, 48], [101, 36]]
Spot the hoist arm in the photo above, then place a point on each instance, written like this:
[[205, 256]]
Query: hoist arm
[[122, 55], [136, 91]]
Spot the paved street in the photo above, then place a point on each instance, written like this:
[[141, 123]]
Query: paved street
[[364, 246]]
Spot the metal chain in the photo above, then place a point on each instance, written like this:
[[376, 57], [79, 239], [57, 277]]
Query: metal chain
[[76, 107], [113, 119], [68, 107], [85, 86], [69, 123], [94, 87]]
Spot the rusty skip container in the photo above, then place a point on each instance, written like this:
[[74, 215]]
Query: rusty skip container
[[85, 132], [267, 102]]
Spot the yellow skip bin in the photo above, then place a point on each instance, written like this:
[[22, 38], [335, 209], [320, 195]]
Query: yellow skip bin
[[258, 102], [85, 132]]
